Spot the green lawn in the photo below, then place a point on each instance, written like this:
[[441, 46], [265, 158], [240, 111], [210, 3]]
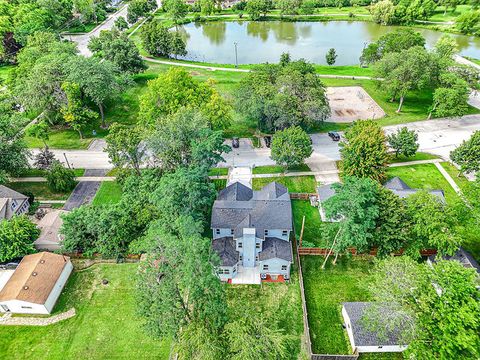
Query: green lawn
[[40, 190], [105, 326], [4, 71], [110, 192], [456, 175], [416, 157], [325, 291], [42, 173], [218, 172], [316, 232], [277, 169], [423, 176], [294, 184], [219, 183], [281, 301], [440, 16]]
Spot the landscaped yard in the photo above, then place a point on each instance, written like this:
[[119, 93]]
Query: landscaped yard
[[423, 176], [110, 192], [218, 171], [105, 326], [294, 184], [325, 291], [316, 232], [40, 190], [43, 173], [416, 157], [274, 169]]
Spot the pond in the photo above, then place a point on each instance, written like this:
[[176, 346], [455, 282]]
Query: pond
[[262, 41]]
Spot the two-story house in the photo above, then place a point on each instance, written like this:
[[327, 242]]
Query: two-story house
[[251, 231], [12, 203]]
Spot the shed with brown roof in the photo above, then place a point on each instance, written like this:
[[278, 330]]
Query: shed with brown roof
[[36, 284]]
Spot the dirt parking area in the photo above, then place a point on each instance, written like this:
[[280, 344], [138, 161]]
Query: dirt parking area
[[352, 103]]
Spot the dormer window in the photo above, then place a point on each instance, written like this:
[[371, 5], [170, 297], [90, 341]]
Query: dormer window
[[266, 232], [232, 231], [284, 232], [240, 245], [217, 231], [257, 245]]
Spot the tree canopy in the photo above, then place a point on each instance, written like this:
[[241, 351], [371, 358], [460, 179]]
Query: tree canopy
[[290, 147], [467, 155], [16, 237]]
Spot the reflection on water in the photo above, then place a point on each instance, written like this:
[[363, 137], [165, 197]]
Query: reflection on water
[[262, 41]]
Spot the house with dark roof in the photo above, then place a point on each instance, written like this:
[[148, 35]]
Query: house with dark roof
[[462, 256], [251, 232], [362, 338], [12, 203]]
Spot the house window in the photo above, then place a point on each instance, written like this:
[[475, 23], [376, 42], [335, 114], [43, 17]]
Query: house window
[[257, 245], [284, 267], [226, 271], [231, 231], [265, 267], [240, 245], [284, 232], [256, 258], [241, 257], [266, 232], [217, 231]]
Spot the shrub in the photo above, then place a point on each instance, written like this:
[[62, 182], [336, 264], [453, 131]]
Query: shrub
[[59, 178]]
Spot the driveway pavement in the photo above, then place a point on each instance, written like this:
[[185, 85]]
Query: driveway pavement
[[83, 193]]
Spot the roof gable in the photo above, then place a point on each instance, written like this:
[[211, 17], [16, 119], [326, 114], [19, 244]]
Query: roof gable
[[6, 192], [236, 192]]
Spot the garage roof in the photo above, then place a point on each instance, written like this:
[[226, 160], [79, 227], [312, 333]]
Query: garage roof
[[34, 278]]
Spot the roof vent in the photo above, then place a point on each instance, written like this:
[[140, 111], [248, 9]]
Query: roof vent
[[34, 274], [25, 288], [42, 261]]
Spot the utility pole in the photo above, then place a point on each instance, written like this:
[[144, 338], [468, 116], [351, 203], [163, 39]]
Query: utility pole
[[236, 55], [65, 156]]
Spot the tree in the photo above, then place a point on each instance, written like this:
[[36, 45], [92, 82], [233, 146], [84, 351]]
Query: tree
[[448, 4], [280, 96], [125, 147], [177, 284], [207, 7], [364, 151], [436, 306], [446, 47], [468, 22], [121, 24], [383, 12], [177, 89], [288, 7], [451, 98], [74, 112], [175, 9], [116, 47], [404, 142], [139, 8], [467, 155], [97, 79], [16, 238], [60, 179], [14, 153], [45, 158], [411, 69], [290, 147], [158, 40], [433, 226], [331, 56], [391, 42], [258, 8], [355, 204]]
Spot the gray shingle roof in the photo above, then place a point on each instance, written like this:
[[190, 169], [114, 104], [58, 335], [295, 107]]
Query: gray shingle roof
[[268, 208], [461, 256], [396, 184], [402, 190], [8, 193], [236, 191], [276, 248], [226, 250], [325, 192], [362, 336]]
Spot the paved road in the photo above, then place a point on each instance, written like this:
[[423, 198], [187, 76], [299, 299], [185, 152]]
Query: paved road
[[85, 191]]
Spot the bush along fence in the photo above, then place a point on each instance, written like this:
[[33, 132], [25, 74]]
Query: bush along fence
[[353, 251]]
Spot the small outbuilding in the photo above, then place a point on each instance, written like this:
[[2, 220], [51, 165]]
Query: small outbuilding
[[364, 340], [36, 284]]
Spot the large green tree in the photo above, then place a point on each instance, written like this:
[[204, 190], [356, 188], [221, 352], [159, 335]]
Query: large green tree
[[451, 97], [364, 151], [158, 40], [16, 237], [290, 147], [404, 142], [467, 155]]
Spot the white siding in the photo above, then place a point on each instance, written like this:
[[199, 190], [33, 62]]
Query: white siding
[[23, 307], [278, 234], [223, 233], [57, 289], [380, 349], [232, 272], [275, 267]]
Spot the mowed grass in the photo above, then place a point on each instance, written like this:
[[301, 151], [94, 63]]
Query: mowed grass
[[277, 169], [109, 192], [316, 233], [294, 184], [43, 173], [279, 301], [423, 176], [418, 156], [325, 291], [456, 175], [105, 326], [40, 190]]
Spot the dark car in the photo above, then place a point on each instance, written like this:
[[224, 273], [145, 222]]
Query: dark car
[[334, 135], [235, 143]]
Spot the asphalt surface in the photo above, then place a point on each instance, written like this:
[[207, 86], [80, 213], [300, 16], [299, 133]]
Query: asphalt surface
[[85, 191]]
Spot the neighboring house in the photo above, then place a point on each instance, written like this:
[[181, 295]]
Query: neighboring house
[[396, 185], [251, 233], [12, 203], [364, 340], [36, 284], [462, 256], [49, 226]]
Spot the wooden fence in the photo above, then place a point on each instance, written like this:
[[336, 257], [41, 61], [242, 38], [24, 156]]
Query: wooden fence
[[301, 196], [353, 251]]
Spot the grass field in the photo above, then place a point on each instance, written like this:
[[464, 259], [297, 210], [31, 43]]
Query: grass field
[[40, 190], [424, 176], [42, 173], [440, 15], [218, 172], [325, 290], [105, 326], [316, 232], [294, 184], [456, 175], [110, 192], [416, 157], [277, 169]]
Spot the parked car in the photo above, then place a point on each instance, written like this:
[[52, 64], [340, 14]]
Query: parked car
[[334, 135], [235, 143]]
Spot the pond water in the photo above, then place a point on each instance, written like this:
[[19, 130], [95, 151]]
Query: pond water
[[262, 41]]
